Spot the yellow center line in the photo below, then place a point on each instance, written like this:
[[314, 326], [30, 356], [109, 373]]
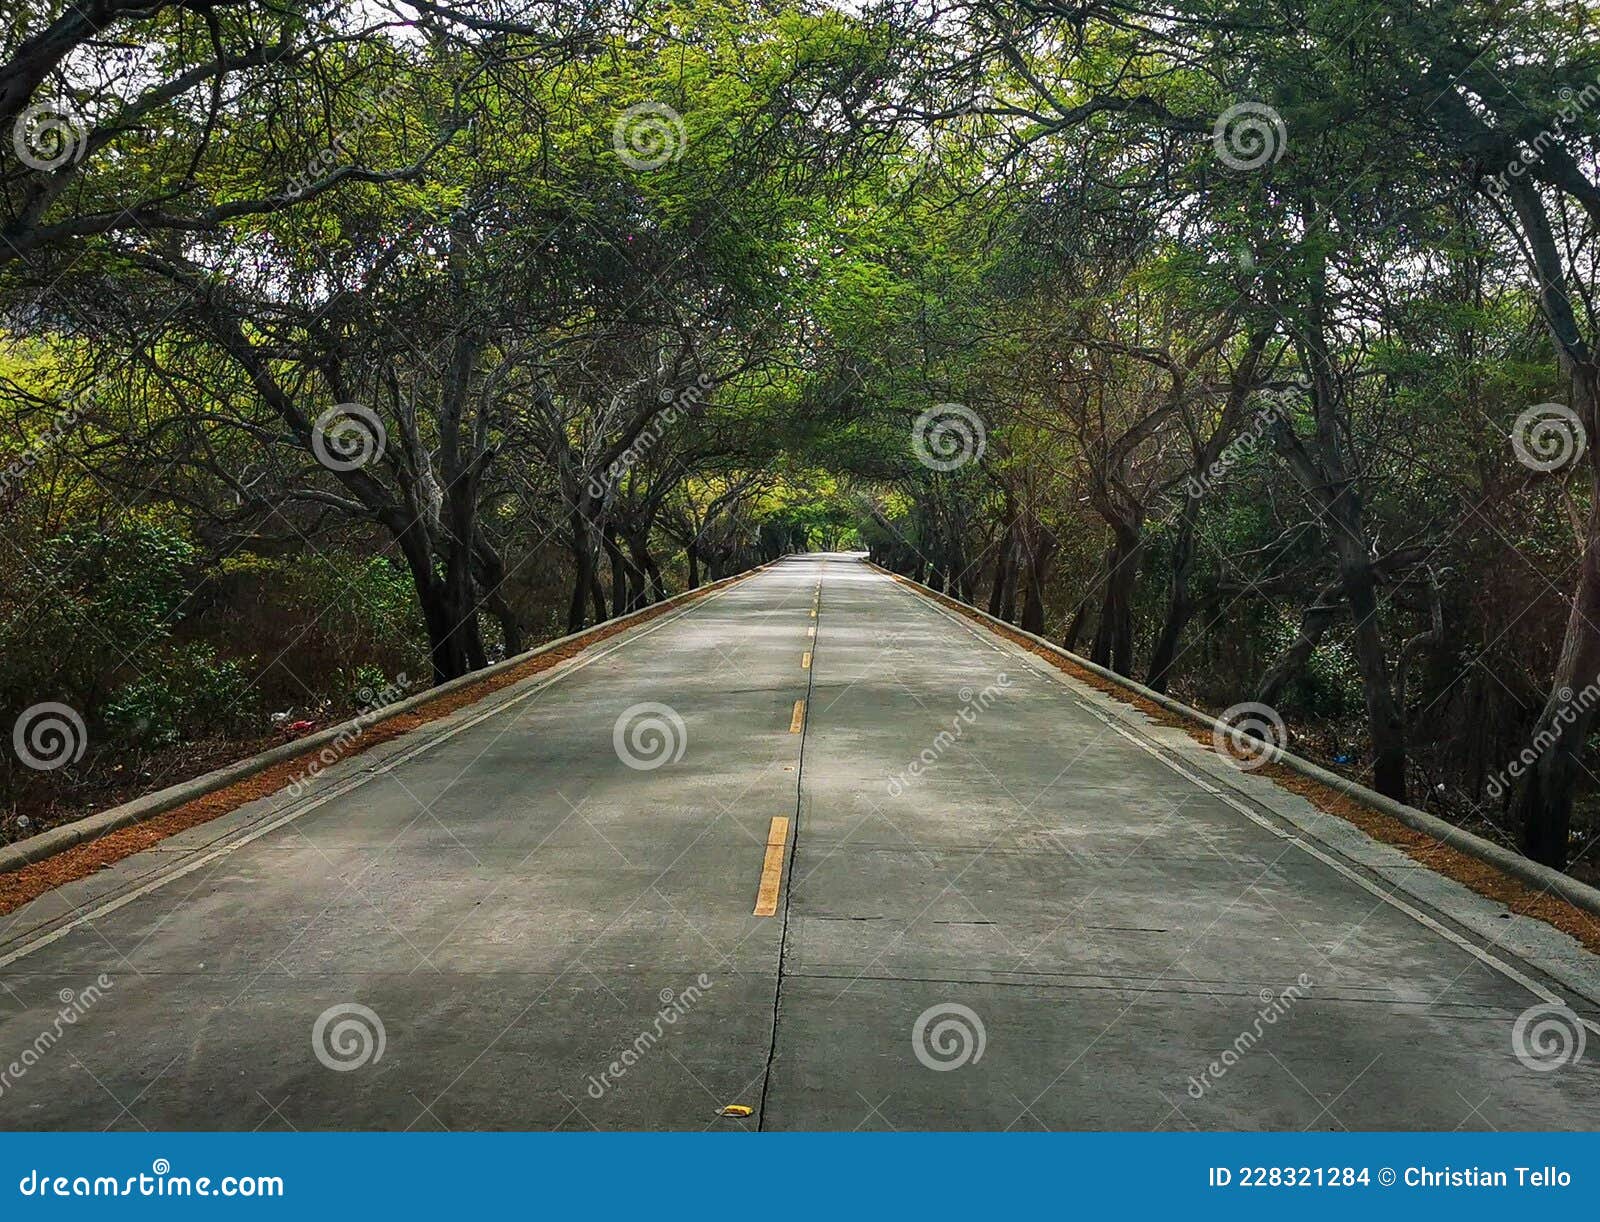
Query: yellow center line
[[813, 613], [799, 718], [772, 868], [811, 631], [805, 660]]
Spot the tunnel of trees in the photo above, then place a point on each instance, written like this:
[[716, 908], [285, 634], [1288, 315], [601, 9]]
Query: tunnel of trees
[[1245, 348]]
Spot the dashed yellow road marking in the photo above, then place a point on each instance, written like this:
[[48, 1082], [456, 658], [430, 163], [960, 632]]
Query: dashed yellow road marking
[[811, 631], [813, 613], [805, 660], [799, 717], [772, 868]]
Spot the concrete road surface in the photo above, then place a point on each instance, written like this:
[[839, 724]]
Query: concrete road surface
[[999, 900]]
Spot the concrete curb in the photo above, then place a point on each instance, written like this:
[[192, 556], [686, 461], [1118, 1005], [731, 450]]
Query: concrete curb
[[1579, 894], [46, 844]]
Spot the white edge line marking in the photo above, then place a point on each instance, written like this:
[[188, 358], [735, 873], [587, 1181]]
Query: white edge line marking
[[205, 858], [1422, 918]]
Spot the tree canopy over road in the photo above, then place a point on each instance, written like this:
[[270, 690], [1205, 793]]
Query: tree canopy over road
[[1247, 348]]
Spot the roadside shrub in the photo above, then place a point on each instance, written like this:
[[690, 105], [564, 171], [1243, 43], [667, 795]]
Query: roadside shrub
[[88, 606], [320, 620], [193, 696]]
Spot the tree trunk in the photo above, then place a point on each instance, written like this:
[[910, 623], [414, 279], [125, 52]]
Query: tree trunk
[[1008, 592], [651, 586], [959, 569], [446, 647], [1041, 546], [1321, 468], [1542, 807], [451, 621], [1180, 606], [1002, 563], [1069, 639], [464, 605], [1113, 637], [1383, 714], [1315, 621], [1180, 603], [583, 572], [619, 571], [490, 571]]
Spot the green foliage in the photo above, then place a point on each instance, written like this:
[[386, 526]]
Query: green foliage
[[194, 696], [353, 598], [1330, 685], [369, 686], [858, 214], [89, 605]]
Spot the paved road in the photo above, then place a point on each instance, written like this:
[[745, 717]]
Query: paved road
[[999, 901]]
